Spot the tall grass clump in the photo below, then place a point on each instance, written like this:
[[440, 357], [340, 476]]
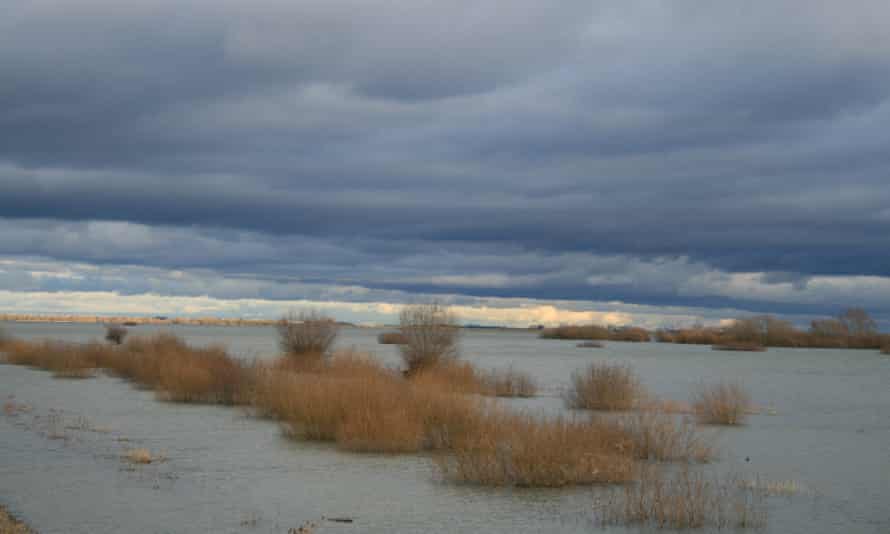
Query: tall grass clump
[[683, 499], [308, 335], [724, 403], [508, 449], [115, 333], [604, 386], [431, 335]]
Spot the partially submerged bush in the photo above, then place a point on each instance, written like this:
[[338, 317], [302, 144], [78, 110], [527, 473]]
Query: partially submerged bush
[[664, 437], [510, 383], [604, 386], [725, 403], [685, 499], [391, 338], [431, 335], [308, 335], [115, 333]]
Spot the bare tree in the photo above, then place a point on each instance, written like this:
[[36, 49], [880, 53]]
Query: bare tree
[[431, 336], [308, 333], [858, 322], [115, 333]]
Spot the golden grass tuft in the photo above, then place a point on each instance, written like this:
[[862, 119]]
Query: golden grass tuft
[[604, 386], [725, 403], [140, 456], [685, 499], [507, 449]]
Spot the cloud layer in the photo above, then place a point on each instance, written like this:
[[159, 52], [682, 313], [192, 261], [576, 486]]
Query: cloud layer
[[718, 157]]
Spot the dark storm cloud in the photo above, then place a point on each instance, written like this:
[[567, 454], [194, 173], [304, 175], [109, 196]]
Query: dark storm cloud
[[487, 148]]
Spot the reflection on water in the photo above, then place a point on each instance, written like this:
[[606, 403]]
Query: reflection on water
[[225, 472]]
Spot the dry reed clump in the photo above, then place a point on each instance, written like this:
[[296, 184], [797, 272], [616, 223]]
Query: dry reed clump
[[663, 437], [685, 499], [391, 338], [307, 335], [725, 403], [363, 407], [182, 373], [508, 449], [510, 383], [431, 336], [604, 386], [451, 376]]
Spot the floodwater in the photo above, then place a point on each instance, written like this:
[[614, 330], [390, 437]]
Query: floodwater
[[826, 427]]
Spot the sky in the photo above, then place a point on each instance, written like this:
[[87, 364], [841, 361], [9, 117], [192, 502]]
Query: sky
[[629, 162]]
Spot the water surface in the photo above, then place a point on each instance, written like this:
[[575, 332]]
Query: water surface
[[225, 472]]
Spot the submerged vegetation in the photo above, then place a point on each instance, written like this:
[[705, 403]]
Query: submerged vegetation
[[725, 403], [684, 499]]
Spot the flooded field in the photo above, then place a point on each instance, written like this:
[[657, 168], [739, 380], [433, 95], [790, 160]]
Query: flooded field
[[822, 440]]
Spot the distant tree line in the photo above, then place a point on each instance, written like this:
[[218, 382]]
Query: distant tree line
[[853, 328]]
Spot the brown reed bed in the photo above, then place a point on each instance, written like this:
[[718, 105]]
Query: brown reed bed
[[604, 386], [509, 449], [724, 403], [683, 499]]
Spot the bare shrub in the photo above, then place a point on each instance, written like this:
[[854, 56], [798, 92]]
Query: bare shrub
[[604, 386], [391, 338], [725, 403], [510, 383], [431, 336], [685, 499], [308, 334], [115, 333]]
